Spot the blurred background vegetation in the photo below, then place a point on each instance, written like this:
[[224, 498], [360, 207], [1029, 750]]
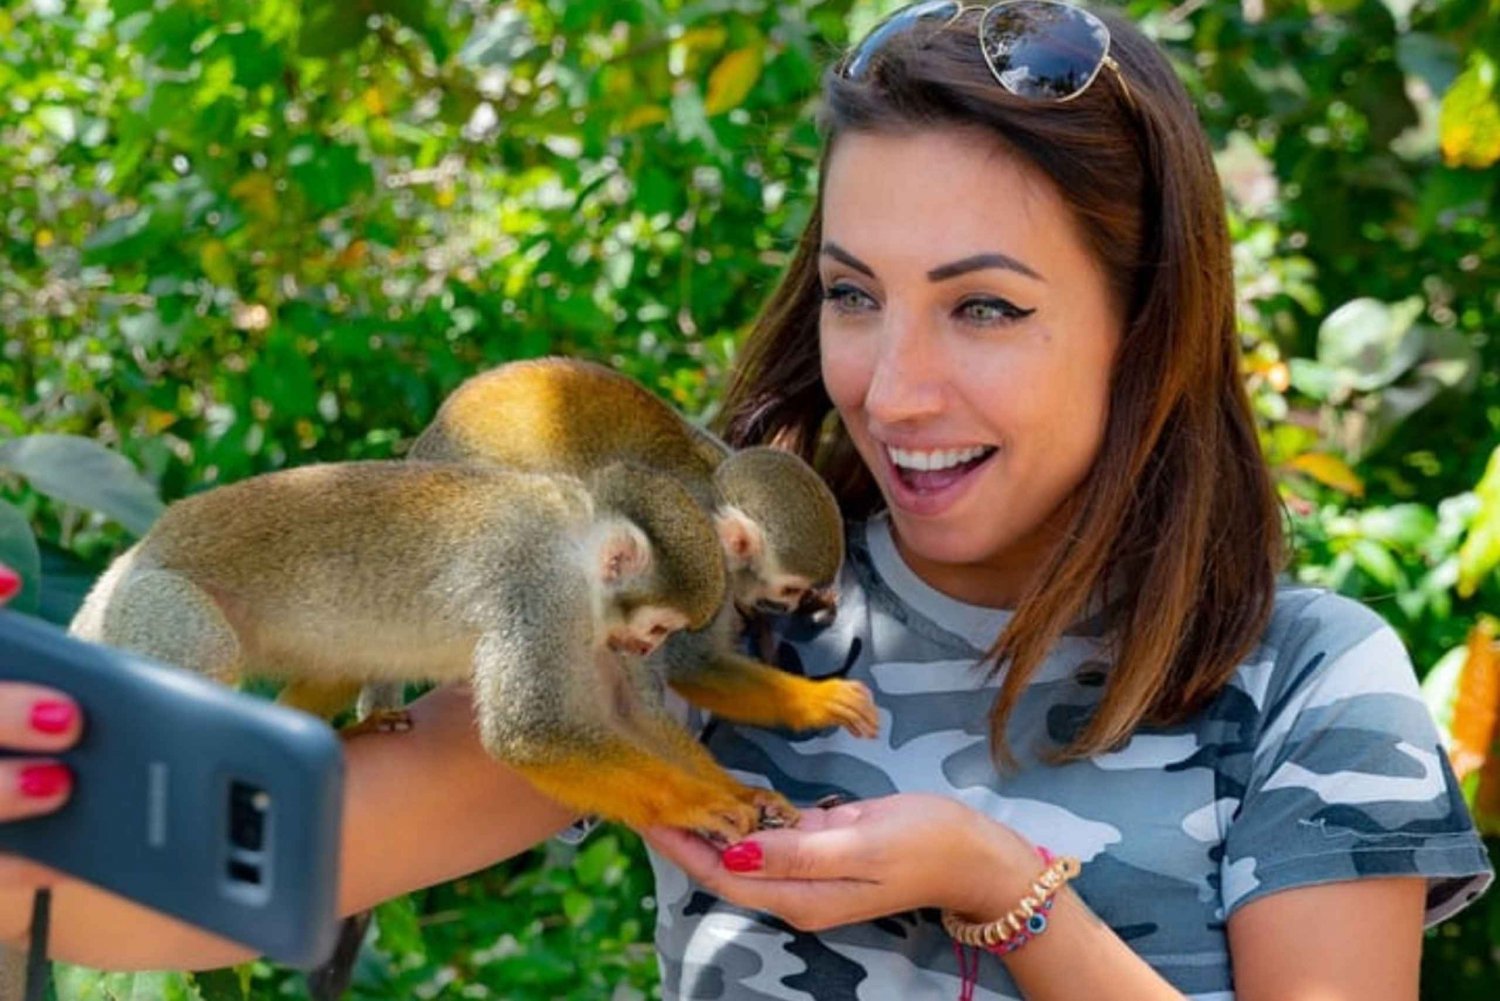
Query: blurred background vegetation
[[241, 235]]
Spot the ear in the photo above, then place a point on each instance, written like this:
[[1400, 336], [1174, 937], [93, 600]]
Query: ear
[[742, 539], [624, 554]]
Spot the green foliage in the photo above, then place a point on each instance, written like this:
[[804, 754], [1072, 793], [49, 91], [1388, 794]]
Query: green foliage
[[249, 234]]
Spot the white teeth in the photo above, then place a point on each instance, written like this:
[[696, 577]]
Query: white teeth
[[942, 459]]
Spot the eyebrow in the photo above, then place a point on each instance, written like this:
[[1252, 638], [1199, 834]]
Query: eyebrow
[[943, 272]]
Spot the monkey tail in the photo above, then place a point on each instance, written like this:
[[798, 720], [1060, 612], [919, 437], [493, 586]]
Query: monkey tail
[[329, 981]]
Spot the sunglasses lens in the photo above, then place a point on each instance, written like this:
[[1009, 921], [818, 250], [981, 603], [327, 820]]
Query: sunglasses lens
[[865, 53], [1044, 50]]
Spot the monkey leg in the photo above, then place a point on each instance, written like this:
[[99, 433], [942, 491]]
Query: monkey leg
[[747, 691], [321, 698], [165, 616]]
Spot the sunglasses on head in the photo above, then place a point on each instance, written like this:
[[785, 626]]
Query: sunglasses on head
[[1042, 50]]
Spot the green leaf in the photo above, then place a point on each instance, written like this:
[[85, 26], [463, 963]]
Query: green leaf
[[1371, 342], [66, 580], [500, 41], [18, 550], [1480, 552], [1377, 562], [1469, 121], [81, 471], [331, 175], [331, 26], [1405, 525], [229, 984], [398, 931]]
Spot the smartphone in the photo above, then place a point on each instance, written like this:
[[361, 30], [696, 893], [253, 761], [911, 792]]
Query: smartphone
[[207, 804]]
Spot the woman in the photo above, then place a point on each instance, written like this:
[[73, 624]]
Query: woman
[[1014, 298]]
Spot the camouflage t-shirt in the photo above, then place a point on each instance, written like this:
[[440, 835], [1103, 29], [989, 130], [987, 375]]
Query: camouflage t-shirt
[[1319, 762]]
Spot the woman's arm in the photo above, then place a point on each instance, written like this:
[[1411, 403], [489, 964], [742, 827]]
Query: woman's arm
[[1335, 942], [419, 808]]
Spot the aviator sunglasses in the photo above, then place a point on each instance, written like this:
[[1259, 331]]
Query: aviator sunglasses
[[1041, 50]]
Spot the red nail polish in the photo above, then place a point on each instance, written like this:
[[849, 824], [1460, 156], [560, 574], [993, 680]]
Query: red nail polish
[[52, 716], [42, 781], [10, 583], [743, 857]]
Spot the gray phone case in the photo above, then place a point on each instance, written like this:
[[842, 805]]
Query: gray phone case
[[213, 806]]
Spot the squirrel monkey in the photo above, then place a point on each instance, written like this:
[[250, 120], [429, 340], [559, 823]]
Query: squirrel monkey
[[542, 591], [777, 521]]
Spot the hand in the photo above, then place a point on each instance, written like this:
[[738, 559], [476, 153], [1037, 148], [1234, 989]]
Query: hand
[[32, 718], [865, 860]]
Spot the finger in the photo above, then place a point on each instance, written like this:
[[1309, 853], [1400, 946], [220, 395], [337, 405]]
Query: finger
[[29, 787], [10, 583], [807, 904], [797, 853], [34, 718]]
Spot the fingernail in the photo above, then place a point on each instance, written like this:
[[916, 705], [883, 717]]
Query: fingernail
[[41, 781], [10, 583], [52, 716], [743, 857]]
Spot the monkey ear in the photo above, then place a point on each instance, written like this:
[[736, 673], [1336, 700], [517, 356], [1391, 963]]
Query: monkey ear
[[743, 540], [626, 553]]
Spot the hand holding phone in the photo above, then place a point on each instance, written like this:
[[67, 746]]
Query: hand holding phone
[[40, 722], [214, 807]]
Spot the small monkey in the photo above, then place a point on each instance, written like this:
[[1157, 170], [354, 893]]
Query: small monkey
[[543, 592], [779, 524]]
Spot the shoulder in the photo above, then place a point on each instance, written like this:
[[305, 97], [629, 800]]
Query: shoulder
[[1319, 639]]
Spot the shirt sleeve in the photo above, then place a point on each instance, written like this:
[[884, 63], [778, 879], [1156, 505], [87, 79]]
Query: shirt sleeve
[[1349, 780]]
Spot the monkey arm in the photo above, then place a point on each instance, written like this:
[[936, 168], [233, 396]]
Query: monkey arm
[[739, 688], [419, 809]]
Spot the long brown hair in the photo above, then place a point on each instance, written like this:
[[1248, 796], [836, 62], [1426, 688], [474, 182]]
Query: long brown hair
[[1178, 513]]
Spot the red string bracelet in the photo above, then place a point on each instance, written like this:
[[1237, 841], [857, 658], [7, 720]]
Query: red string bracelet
[[1007, 934]]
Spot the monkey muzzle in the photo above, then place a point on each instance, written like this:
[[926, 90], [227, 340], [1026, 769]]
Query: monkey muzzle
[[633, 645], [820, 605]]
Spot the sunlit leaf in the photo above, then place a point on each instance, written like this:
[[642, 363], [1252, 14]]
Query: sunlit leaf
[[1480, 552], [1329, 470], [1469, 122], [1476, 704], [731, 80]]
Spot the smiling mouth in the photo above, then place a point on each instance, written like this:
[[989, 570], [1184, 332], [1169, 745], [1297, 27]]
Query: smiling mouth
[[934, 472]]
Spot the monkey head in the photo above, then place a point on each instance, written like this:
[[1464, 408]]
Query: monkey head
[[666, 572], [781, 531]]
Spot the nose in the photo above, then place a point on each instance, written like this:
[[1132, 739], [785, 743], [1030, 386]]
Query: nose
[[907, 382]]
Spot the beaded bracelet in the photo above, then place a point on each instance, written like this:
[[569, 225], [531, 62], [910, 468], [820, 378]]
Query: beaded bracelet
[[1026, 920]]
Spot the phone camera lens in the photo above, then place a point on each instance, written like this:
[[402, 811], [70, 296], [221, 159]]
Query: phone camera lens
[[248, 806]]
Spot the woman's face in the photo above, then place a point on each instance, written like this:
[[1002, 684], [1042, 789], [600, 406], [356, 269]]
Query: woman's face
[[966, 337]]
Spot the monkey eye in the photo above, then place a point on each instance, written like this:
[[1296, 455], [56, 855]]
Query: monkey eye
[[658, 630]]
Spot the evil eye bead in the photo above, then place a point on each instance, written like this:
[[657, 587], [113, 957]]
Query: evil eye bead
[[1037, 923]]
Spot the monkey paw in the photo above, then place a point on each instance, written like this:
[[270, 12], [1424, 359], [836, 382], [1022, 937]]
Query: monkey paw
[[772, 809], [836, 702], [723, 822]]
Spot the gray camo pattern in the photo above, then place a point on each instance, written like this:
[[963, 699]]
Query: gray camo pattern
[[1318, 763]]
